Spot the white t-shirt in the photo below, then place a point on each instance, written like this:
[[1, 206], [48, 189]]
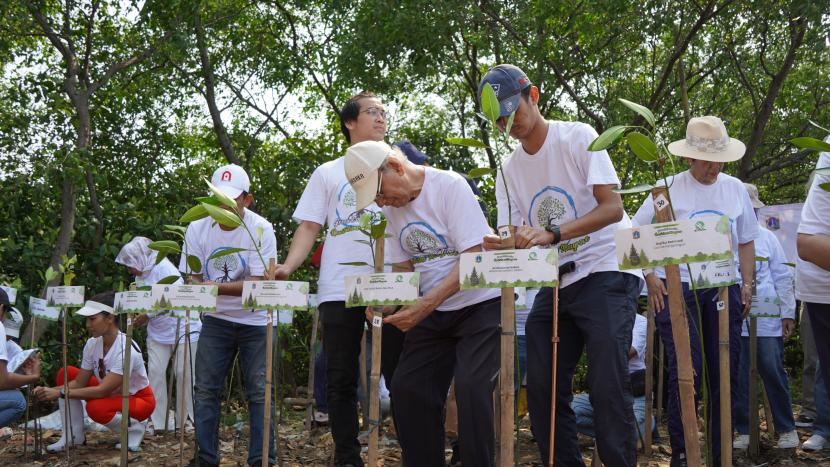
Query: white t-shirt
[[162, 327], [638, 341], [12, 348], [812, 283], [691, 199], [114, 362], [4, 354], [556, 185], [205, 237], [443, 221], [329, 200], [773, 278]]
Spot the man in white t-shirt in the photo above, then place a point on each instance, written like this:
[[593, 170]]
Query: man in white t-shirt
[[232, 328], [812, 286], [12, 402], [560, 194], [329, 200], [433, 217]]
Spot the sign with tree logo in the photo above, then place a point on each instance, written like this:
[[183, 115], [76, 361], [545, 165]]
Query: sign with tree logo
[[65, 295], [275, 295], [686, 241], [535, 267], [39, 308], [134, 301], [11, 292], [395, 288], [200, 298]]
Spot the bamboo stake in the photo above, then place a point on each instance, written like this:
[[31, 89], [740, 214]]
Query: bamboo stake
[[768, 412], [680, 334], [374, 380], [363, 383], [170, 382], [309, 416], [125, 390], [70, 438], [563, 269], [647, 426], [269, 361], [754, 429], [507, 421], [185, 380], [725, 396], [32, 325]]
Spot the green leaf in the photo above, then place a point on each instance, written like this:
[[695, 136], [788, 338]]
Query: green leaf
[[165, 246], [355, 263], [490, 103], [365, 221], [825, 186], [365, 242], [160, 257], [51, 274], [607, 138], [169, 280], [636, 189], [195, 213], [811, 144], [194, 263], [379, 229], [176, 228], [469, 142], [761, 258], [822, 171], [818, 126], [642, 146], [509, 124], [479, 172], [225, 252], [642, 110], [222, 216], [220, 196], [208, 199]]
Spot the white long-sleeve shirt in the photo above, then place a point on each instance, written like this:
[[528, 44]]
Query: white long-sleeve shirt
[[773, 279]]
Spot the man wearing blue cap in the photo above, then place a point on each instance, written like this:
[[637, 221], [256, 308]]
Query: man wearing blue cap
[[562, 195]]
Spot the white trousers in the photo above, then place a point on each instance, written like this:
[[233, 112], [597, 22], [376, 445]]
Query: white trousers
[[158, 356]]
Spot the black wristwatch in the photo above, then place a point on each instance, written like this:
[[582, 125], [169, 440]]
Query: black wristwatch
[[554, 229]]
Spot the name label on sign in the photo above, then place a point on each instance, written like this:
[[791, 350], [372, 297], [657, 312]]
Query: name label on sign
[[273, 295], [200, 298], [394, 288], [134, 301], [535, 267], [678, 242], [65, 295], [39, 308]]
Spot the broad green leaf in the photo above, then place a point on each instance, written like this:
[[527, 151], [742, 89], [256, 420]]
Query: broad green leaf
[[811, 144], [469, 142], [490, 103], [822, 171], [818, 126], [761, 259], [259, 232], [642, 110], [825, 186], [160, 257], [168, 280], [479, 172], [636, 189], [509, 124], [208, 199], [176, 228], [195, 213], [225, 252], [642, 146], [355, 263], [379, 229], [195, 264], [222, 197], [607, 138], [165, 246], [366, 220], [51, 274], [222, 216]]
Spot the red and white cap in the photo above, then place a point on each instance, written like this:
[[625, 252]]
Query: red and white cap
[[232, 180]]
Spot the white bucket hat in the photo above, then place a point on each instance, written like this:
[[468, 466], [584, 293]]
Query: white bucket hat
[[361, 165], [707, 140]]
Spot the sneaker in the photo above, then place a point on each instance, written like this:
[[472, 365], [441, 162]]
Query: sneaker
[[741, 442], [815, 443], [5, 433], [679, 460], [196, 462], [150, 431], [804, 421], [788, 440], [321, 417]]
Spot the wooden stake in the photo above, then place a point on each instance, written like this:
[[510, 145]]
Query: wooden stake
[[768, 412], [32, 325], [647, 426], [185, 380], [269, 373], [125, 391], [170, 382], [554, 348], [363, 383], [680, 334], [374, 380], [312, 359], [754, 429], [725, 383], [66, 413], [506, 406]]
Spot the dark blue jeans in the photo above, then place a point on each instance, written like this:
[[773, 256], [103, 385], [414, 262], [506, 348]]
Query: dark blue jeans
[[218, 343], [709, 317], [12, 405], [771, 368]]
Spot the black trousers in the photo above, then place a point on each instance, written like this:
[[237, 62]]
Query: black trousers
[[463, 344], [342, 331], [820, 320], [595, 313]]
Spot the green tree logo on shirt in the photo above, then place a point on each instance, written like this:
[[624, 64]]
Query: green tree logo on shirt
[[550, 209]]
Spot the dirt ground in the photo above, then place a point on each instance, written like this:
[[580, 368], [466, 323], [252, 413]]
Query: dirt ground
[[298, 448]]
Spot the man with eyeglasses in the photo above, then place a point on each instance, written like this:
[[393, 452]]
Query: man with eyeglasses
[[329, 200]]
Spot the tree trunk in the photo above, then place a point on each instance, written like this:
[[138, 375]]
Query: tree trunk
[[98, 239]]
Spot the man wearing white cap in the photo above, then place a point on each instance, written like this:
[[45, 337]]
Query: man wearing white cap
[[13, 321], [560, 194], [232, 328], [329, 200], [773, 281], [433, 217], [12, 402], [704, 190], [98, 380]]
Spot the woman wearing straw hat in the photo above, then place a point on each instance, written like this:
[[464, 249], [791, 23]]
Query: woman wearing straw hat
[[704, 191], [98, 381]]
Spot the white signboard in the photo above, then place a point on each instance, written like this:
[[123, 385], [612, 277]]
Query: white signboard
[[273, 295], [64, 295], [39, 308], [782, 220], [765, 307], [134, 301], [394, 288], [678, 242], [199, 298], [536, 267], [11, 292], [718, 273]]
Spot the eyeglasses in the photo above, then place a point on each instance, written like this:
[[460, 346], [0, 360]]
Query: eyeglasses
[[376, 112]]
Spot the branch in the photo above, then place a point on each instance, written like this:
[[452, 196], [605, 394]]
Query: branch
[[124, 64], [268, 115], [55, 40]]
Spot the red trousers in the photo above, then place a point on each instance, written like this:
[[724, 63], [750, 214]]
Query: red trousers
[[102, 410]]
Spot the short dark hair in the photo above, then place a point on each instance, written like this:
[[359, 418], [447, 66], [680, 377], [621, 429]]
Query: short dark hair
[[351, 110], [105, 298], [526, 92]]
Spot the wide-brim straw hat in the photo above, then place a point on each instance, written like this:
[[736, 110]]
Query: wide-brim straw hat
[[707, 140]]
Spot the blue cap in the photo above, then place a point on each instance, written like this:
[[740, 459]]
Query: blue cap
[[507, 81], [411, 152]]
